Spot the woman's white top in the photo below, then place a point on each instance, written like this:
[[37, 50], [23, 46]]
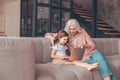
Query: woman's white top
[[60, 49], [74, 41]]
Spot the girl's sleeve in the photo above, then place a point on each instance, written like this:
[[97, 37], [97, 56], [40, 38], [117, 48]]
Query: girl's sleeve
[[54, 47]]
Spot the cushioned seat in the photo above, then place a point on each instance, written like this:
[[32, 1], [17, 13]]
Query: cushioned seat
[[17, 60], [115, 62]]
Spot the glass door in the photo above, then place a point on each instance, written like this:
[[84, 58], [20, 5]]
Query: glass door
[[41, 16], [42, 20], [26, 18]]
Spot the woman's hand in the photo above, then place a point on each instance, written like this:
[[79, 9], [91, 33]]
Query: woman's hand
[[81, 45], [51, 36]]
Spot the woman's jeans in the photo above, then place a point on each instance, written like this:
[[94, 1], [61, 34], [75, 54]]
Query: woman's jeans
[[103, 66]]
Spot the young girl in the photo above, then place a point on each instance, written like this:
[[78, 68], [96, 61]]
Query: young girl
[[58, 53]]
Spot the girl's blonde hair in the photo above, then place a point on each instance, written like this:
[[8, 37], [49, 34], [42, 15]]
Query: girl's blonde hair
[[73, 23]]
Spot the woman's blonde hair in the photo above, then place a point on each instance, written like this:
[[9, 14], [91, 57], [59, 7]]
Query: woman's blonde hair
[[74, 23]]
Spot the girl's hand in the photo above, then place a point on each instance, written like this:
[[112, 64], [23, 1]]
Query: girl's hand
[[65, 57]]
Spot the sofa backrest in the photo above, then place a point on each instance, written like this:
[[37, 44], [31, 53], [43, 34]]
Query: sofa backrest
[[42, 48], [108, 46]]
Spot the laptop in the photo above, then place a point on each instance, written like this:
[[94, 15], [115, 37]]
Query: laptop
[[76, 53]]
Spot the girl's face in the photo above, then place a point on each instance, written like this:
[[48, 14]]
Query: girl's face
[[73, 31], [63, 40]]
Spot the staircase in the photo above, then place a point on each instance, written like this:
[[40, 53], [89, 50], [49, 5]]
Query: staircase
[[103, 28]]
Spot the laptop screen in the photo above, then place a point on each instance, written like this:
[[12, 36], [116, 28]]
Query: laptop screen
[[76, 53]]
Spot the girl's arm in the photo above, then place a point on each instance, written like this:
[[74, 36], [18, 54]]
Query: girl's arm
[[53, 55]]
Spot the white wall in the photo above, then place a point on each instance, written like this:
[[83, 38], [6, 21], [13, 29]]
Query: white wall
[[2, 18], [12, 18]]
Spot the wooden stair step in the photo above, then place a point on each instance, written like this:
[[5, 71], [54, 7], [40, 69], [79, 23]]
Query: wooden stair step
[[103, 25], [90, 20], [76, 7], [110, 29], [99, 23], [114, 36], [85, 16], [112, 33], [88, 17], [81, 13]]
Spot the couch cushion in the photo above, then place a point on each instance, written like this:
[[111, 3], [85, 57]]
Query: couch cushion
[[46, 49], [38, 48], [42, 48], [114, 62], [62, 72], [16, 59], [107, 46], [53, 72]]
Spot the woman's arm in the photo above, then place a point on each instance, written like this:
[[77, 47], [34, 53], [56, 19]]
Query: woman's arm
[[51, 36], [89, 42]]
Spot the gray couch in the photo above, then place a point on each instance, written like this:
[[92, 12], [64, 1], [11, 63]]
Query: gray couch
[[29, 59]]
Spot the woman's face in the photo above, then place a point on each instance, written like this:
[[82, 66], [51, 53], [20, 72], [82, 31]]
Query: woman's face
[[73, 31]]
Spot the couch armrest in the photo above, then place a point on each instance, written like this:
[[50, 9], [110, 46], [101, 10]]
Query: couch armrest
[[16, 59]]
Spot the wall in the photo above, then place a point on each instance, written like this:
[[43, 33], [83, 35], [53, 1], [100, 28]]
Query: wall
[[108, 10], [12, 18], [2, 17]]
